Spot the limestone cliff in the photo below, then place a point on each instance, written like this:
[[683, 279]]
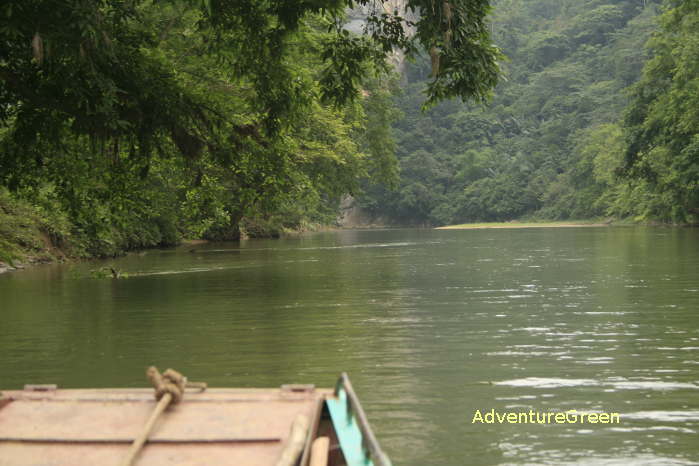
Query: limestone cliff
[[351, 214], [357, 19]]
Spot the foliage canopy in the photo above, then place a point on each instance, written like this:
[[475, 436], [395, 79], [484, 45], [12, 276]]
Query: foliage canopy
[[662, 155], [554, 142], [142, 121], [103, 68]]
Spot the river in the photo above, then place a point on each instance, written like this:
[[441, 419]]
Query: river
[[431, 325]]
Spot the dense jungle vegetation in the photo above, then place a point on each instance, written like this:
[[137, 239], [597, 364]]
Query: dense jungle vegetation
[[130, 124], [597, 116], [134, 124]]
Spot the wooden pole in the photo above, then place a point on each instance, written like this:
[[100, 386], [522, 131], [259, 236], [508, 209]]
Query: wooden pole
[[139, 441], [295, 442], [320, 451]]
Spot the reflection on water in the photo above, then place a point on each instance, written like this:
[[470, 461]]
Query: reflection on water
[[431, 326]]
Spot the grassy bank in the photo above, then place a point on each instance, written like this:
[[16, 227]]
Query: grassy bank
[[31, 234], [42, 230], [516, 224]]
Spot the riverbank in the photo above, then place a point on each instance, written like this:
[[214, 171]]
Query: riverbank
[[30, 234], [516, 224], [41, 233]]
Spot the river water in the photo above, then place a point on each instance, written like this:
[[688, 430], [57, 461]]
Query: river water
[[432, 326]]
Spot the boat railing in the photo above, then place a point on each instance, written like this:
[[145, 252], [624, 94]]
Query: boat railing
[[354, 408]]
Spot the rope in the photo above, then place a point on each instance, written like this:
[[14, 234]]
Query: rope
[[171, 382], [169, 388]]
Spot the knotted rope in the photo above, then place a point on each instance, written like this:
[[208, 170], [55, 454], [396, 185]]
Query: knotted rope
[[169, 387], [170, 382]]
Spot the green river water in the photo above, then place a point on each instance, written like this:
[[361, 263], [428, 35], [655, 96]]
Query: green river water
[[431, 325]]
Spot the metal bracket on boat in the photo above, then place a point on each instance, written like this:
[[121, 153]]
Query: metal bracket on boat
[[298, 388], [40, 387], [357, 440]]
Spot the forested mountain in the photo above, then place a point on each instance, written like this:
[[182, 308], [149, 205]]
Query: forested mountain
[[567, 133], [134, 124]]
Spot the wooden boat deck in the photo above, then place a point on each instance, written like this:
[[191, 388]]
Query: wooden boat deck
[[56, 427]]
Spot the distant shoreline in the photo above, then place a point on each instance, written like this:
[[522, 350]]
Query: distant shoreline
[[504, 225]]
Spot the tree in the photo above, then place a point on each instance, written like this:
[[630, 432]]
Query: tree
[[663, 121], [548, 142], [97, 68], [144, 118]]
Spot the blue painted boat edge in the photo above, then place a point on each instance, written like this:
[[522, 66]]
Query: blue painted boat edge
[[357, 441], [347, 430]]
